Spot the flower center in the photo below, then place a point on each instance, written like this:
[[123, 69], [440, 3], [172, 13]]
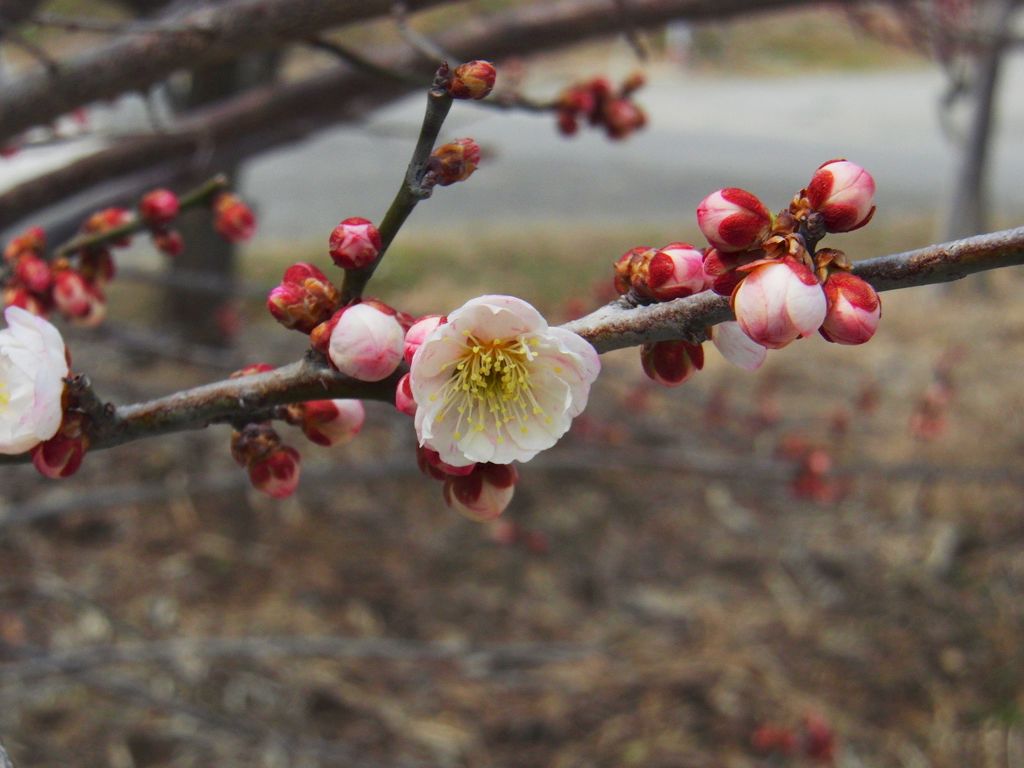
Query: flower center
[[490, 387]]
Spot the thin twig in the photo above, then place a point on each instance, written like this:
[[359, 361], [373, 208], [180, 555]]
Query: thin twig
[[426, 47], [201, 195], [415, 187], [631, 32]]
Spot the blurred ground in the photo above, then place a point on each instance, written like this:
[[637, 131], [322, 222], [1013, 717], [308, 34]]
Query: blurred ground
[[836, 537]]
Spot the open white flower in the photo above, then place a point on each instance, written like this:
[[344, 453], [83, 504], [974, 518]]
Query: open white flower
[[32, 371], [496, 384]]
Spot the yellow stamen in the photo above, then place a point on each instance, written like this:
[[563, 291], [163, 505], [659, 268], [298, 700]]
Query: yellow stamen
[[490, 387]]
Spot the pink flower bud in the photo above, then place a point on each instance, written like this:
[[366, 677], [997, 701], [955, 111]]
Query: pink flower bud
[[366, 343], [355, 243], [62, 454], [779, 301], [417, 332], [853, 309], [276, 473], [304, 298], [736, 347], [472, 80], [454, 162], [675, 271], [232, 218], [430, 464], [34, 273], [329, 422], [404, 401], [843, 193], [169, 242], [71, 293], [733, 219], [671, 362], [484, 493], [159, 207]]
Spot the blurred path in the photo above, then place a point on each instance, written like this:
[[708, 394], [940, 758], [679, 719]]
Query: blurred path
[[767, 135]]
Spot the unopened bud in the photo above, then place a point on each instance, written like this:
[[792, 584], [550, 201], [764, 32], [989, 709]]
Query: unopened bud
[[736, 347], [622, 117], [733, 219], [71, 293], [34, 273], [853, 311], [159, 207], [277, 473], [32, 240], [304, 298], [355, 243], [779, 301], [62, 454], [96, 265], [233, 219], [671, 362], [843, 193], [454, 162], [675, 271], [169, 242], [404, 401], [328, 422], [19, 296], [627, 266], [430, 464], [107, 220], [472, 80], [419, 331], [484, 493], [365, 343], [252, 370]]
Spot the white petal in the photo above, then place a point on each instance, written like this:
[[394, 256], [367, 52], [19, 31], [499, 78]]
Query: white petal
[[736, 347]]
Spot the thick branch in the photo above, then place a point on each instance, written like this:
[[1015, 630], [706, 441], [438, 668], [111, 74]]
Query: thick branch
[[187, 40], [614, 326], [268, 117]]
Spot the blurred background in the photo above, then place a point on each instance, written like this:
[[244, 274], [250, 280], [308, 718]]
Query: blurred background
[[816, 564]]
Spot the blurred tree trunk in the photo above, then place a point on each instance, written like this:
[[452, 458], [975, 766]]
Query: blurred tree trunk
[[968, 213], [203, 317]]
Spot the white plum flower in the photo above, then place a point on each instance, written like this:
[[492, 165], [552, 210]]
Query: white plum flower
[[497, 384], [32, 371]]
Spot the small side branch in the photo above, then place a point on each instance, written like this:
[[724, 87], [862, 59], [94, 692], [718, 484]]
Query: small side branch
[[417, 184]]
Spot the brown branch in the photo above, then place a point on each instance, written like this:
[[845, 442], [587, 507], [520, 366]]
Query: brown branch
[[192, 39], [613, 326], [270, 116]]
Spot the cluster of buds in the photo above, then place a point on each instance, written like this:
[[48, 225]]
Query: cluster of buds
[[598, 104], [472, 80], [781, 286], [274, 467]]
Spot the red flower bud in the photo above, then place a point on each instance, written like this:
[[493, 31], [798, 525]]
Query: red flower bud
[[169, 242], [404, 401], [304, 298], [843, 193], [622, 117], [355, 243], [251, 370], [675, 271], [430, 464], [159, 207], [671, 362], [32, 240], [34, 273], [96, 265], [19, 296], [853, 309], [71, 293], [277, 473], [62, 454], [328, 422], [484, 493], [106, 220], [233, 219], [454, 162], [733, 220], [472, 80]]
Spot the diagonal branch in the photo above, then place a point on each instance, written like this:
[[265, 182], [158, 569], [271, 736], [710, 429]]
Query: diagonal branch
[[614, 326]]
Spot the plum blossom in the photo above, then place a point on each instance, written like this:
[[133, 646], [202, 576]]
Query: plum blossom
[[497, 384], [32, 371]]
